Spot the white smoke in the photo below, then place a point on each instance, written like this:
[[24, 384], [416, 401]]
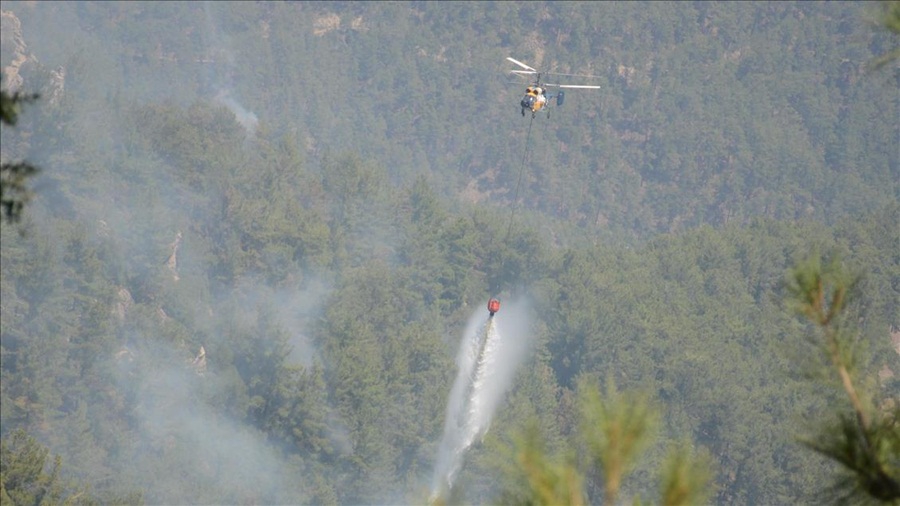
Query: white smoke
[[218, 43], [223, 455], [246, 118], [489, 354]]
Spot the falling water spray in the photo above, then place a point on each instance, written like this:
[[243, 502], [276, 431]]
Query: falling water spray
[[490, 351]]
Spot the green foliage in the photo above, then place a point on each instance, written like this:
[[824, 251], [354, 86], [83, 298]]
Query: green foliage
[[819, 292], [616, 427], [23, 477], [28, 478], [889, 20], [546, 481], [686, 476], [866, 443], [13, 192], [868, 455]]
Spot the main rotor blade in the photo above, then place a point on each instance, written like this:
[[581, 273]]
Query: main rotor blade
[[517, 62], [579, 86], [588, 76], [523, 72]]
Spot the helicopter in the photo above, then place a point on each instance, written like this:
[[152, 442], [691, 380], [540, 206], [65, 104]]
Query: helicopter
[[536, 97]]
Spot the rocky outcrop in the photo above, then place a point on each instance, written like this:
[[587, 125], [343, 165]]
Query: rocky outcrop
[[172, 261], [199, 362], [11, 33], [123, 304], [18, 57], [330, 22]]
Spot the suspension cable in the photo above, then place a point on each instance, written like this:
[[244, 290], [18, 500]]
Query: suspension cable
[[519, 182]]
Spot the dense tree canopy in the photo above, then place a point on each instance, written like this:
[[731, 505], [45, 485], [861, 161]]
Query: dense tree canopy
[[261, 229]]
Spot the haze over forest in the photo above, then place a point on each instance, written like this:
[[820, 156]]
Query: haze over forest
[[260, 231]]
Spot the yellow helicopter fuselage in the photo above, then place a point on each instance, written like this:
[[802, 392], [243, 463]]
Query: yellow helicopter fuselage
[[535, 98]]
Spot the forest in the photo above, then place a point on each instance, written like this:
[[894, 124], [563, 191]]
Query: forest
[[260, 233]]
